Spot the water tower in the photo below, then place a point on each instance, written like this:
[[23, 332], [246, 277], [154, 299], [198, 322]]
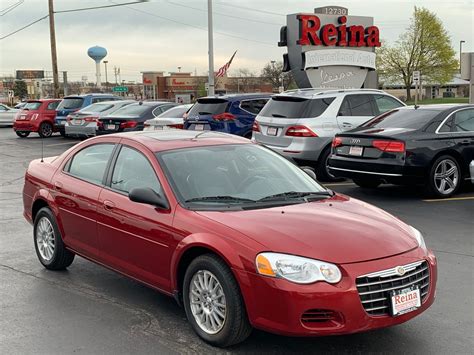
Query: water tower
[[97, 53]]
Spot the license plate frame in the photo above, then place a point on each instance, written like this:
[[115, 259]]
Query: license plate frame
[[77, 121], [356, 150], [405, 300], [199, 127], [110, 127], [272, 131]]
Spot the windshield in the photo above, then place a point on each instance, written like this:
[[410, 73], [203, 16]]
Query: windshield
[[96, 108], [134, 110], [244, 175], [32, 105], [208, 107], [404, 118], [295, 107], [69, 103]]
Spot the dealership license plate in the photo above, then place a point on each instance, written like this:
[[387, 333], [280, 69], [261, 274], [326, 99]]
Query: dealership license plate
[[406, 300], [355, 150], [199, 127], [272, 131], [110, 126]]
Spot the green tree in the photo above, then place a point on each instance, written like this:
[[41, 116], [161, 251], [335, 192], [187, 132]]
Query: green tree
[[20, 89], [425, 46], [273, 72]]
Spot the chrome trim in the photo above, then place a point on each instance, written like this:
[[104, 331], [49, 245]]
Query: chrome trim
[[393, 271], [397, 279], [364, 172], [447, 118], [397, 287]]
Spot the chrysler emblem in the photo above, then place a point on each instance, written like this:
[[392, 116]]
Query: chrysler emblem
[[400, 270]]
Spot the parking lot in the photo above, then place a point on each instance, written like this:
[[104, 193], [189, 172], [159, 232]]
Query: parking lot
[[89, 309]]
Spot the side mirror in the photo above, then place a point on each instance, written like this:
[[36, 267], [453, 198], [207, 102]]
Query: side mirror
[[148, 196], [310, 171]]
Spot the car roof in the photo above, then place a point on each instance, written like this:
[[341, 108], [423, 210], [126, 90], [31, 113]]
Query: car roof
[[88, 95], [42, 100], [438, 107], [310, 93], [114, 102], [236, 97], [151, 103], [158, 141]]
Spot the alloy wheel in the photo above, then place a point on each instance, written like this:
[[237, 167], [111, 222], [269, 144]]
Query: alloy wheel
[[446, 176], [46, 130], [207, 301], [45, 239]]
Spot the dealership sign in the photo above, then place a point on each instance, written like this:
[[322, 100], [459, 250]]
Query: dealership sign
[[29, 74], [328, 49]]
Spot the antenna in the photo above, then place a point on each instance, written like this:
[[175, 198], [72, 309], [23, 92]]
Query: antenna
[[42, 149]]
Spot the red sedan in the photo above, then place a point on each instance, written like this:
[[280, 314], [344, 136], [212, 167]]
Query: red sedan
[[237, 234], [36, 116]]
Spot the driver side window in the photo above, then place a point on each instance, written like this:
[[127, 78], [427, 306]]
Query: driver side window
[[132, 170]]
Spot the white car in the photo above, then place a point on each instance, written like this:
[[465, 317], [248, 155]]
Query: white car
[[7, 115], [300, 124], [171, 119]]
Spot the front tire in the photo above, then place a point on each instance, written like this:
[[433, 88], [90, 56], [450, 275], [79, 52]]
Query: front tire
[[367, 184], [213, 302], [444, 178], [22, 134], [45, 130], [48, 242]]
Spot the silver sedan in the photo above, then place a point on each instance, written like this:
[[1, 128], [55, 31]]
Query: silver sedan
[[7, 115]]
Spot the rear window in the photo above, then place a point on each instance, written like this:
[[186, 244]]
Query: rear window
[[209, 107], [32, 105], [295, 107], [413, 119], [97, 108], [174, 112], [134, 110], [70, 103]]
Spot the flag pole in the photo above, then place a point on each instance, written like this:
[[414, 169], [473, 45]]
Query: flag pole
[[211, 48]]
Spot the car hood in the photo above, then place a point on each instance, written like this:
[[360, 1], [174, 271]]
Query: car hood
[[339, 230]]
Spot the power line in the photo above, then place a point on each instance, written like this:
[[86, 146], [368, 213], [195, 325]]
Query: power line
[[100, 7], [24, 27], [251, 9], [11, 7]]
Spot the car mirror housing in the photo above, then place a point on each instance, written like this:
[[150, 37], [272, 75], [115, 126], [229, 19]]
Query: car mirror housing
[[148, 196], [310, 171]]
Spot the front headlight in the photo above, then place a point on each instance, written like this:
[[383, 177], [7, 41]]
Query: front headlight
[[296, 268], [419, 238]]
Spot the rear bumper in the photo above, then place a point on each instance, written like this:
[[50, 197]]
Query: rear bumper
[[80, 131], [25, 126]]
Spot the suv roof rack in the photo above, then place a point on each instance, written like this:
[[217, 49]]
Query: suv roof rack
[[328, 91]]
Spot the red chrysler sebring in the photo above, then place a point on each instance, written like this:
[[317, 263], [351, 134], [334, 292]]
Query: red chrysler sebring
[[237, 234]]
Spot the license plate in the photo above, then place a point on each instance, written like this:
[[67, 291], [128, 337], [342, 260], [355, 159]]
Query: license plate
[[272, 131], [110, 126], [159, 128], [22, 117], [406, 300], [199, 127], [77, 122], [62, 123], [355, 150]]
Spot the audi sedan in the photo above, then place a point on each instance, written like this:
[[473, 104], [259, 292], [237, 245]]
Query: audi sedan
[[237, 234]]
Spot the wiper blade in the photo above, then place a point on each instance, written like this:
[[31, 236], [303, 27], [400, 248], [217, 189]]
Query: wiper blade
[[296, 194], [278, 115], [222, 199]]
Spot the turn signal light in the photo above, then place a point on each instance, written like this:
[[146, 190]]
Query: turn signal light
[[256, 127], [300, 131], [264, 267], [336, 142], [226, 116], [389, 146], [128, 124]]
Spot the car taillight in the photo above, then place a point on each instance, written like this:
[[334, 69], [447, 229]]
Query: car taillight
[[336, 142], [146, 125], [176, 126], [128, 124], [68, 118], [100, 124], [389, 146], [226, 116], [300, 131], [256, 127], [90, 119]]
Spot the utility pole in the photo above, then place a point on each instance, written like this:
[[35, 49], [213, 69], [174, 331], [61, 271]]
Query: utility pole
[[106, 80], [54, 57], [115, 73], [66, 91], [211, 48]]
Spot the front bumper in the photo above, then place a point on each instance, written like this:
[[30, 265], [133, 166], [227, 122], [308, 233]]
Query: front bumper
[[277, 305]]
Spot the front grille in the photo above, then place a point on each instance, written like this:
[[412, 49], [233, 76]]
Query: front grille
[[375, 288]]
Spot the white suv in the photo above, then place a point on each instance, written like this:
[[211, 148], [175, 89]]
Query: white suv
[[300, 124]]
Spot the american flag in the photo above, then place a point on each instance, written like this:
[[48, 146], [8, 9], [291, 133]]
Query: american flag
[[221, 72]]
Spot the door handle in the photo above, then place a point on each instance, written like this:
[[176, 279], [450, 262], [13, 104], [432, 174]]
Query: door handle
[[347, 125], [109, 205], [58, 186], [466, 142]]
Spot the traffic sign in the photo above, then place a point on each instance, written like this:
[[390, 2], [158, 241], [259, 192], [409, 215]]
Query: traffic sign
[[416, 75], [120, 89]]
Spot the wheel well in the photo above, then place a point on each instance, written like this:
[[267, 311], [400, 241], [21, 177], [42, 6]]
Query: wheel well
[[456, 156], [37, 205]]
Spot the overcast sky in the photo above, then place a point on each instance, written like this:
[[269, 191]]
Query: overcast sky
[[162, 35]]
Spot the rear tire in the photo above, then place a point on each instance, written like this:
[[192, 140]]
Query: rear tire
[[367, 184], [45, 130], [444, 178], [63, 134], [322, 171], [230, 324], [22, 134]]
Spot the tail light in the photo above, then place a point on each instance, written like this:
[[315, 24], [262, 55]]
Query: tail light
[[128, 124], [300, 131], [336, 142], [68, 118], [146, 125], [389, 146], [176, 126], [256, 127], [100, 124], [90, 119], [226, 116]]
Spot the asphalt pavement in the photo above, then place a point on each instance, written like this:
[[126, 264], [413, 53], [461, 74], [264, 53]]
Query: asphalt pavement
[[91, 310]]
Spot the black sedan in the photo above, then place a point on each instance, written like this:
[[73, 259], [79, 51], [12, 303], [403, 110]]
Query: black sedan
[[132, 117], [429, 145]]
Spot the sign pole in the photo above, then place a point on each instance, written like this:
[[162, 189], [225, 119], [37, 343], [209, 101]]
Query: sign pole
[[211, 48]]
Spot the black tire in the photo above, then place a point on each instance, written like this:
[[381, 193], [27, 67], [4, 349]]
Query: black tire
[[322, 171], [236, 326], [432, 188], [367, 183], [45, 130], [22, 134], [61, 257], [62, 133]]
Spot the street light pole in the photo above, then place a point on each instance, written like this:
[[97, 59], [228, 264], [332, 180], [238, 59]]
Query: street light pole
[[210, 34], [460, 53], [54, 57], [106, 80]]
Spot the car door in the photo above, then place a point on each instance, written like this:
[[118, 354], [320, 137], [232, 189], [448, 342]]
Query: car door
[[462, 129], [355, 109], [50, 111], [136, 239], [76, 189]]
